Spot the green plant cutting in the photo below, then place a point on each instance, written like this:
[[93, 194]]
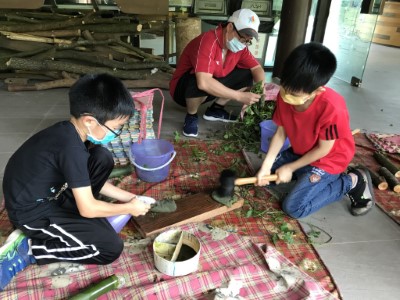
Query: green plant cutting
[[246, 133]]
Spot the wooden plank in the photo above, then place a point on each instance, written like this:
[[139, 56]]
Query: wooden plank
[[195, 208]]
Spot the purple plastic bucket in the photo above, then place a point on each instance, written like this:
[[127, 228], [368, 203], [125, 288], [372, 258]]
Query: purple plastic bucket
[[118, 222], [152, 159], [268, 128]]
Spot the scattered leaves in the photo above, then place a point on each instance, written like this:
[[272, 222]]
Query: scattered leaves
[[177, 136]]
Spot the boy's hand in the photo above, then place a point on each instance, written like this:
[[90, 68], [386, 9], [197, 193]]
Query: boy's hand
[[139, 207], [260, 177], [147, 200], [284, 173]]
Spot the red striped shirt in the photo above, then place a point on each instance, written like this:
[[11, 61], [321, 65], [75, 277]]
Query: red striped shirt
[[204, 54], [327, 118]]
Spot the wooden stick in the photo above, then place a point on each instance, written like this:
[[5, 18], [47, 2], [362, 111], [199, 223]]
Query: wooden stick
[[391, 179], [249, 180], [58, 33], [355, 131], [385, 162]]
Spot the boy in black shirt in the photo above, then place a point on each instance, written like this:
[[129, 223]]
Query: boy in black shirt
[[52, 182]]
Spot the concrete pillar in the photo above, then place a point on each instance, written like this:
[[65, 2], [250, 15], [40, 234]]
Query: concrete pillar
[[292, 30]]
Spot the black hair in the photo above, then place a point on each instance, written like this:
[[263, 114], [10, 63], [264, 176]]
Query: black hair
[[102, 96], [308, 67]]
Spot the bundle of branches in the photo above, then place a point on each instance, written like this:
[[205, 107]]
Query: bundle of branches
[[246, 132], [58, 48]]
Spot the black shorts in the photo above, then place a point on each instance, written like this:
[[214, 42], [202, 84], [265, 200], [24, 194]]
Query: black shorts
[[187, 85]]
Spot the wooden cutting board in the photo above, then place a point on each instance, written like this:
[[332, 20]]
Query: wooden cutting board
[[195, 208]]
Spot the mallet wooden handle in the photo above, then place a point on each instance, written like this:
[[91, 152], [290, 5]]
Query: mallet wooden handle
[[248, 180]]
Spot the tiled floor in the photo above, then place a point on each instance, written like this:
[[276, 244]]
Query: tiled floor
[[364, 253]]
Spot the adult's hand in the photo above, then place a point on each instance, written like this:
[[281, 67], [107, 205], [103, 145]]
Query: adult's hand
[[248, 98]]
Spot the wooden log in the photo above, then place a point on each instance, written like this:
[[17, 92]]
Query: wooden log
[[21, 46], [43, 26], [378, 181], [47, 65], [32, 38], [13, 17], [84, 43], [390, 178], [27, 53], [58, 33], [28, 76], [385, 162], [52, 75], [39, 15], [126, 28]]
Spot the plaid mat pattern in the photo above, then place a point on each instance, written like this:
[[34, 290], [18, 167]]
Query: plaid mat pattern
[[196, 168], [385, 142], [388, 200]]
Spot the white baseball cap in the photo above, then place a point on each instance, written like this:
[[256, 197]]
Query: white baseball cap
[[246, 22]]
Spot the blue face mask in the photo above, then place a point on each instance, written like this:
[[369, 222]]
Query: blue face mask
[[235, 45], [105, 140]]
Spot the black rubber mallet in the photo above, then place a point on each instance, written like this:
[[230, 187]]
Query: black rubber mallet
[[228, 181]]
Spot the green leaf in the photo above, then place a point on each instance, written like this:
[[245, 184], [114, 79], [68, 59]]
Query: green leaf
[[249, 213]]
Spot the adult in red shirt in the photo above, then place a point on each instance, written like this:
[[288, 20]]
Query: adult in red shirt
[[217, 65], [316, 121]]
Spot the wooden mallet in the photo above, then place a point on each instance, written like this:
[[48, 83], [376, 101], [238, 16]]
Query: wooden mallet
[[228, 181]]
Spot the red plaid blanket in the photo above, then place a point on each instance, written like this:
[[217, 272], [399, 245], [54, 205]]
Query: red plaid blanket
[[267, 271]]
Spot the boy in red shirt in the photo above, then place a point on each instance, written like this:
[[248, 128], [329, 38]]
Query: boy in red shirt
[[217, 65], [316, 121]]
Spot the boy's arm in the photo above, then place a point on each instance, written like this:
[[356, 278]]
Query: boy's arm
[[275, 146], [90, 207], [116, 193]]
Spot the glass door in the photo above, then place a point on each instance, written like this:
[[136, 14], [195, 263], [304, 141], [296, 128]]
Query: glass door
[[348, 35]]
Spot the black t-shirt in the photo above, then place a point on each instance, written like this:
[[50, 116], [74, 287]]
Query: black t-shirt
[[47, 163]]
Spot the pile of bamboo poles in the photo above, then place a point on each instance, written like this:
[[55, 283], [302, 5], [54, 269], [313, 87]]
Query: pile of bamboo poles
[[44, 50]]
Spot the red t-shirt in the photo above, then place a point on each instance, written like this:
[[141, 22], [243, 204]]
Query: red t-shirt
[[204, 54], [327, 118]]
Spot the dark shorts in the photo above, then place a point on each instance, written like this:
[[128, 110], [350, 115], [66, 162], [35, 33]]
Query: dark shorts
[[187, 85]]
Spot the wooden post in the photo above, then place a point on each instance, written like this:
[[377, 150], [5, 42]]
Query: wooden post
[[182, 35], [292, 31]]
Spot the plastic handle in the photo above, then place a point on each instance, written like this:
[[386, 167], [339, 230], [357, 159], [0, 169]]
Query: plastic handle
[[154, 169], [248, 180]]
